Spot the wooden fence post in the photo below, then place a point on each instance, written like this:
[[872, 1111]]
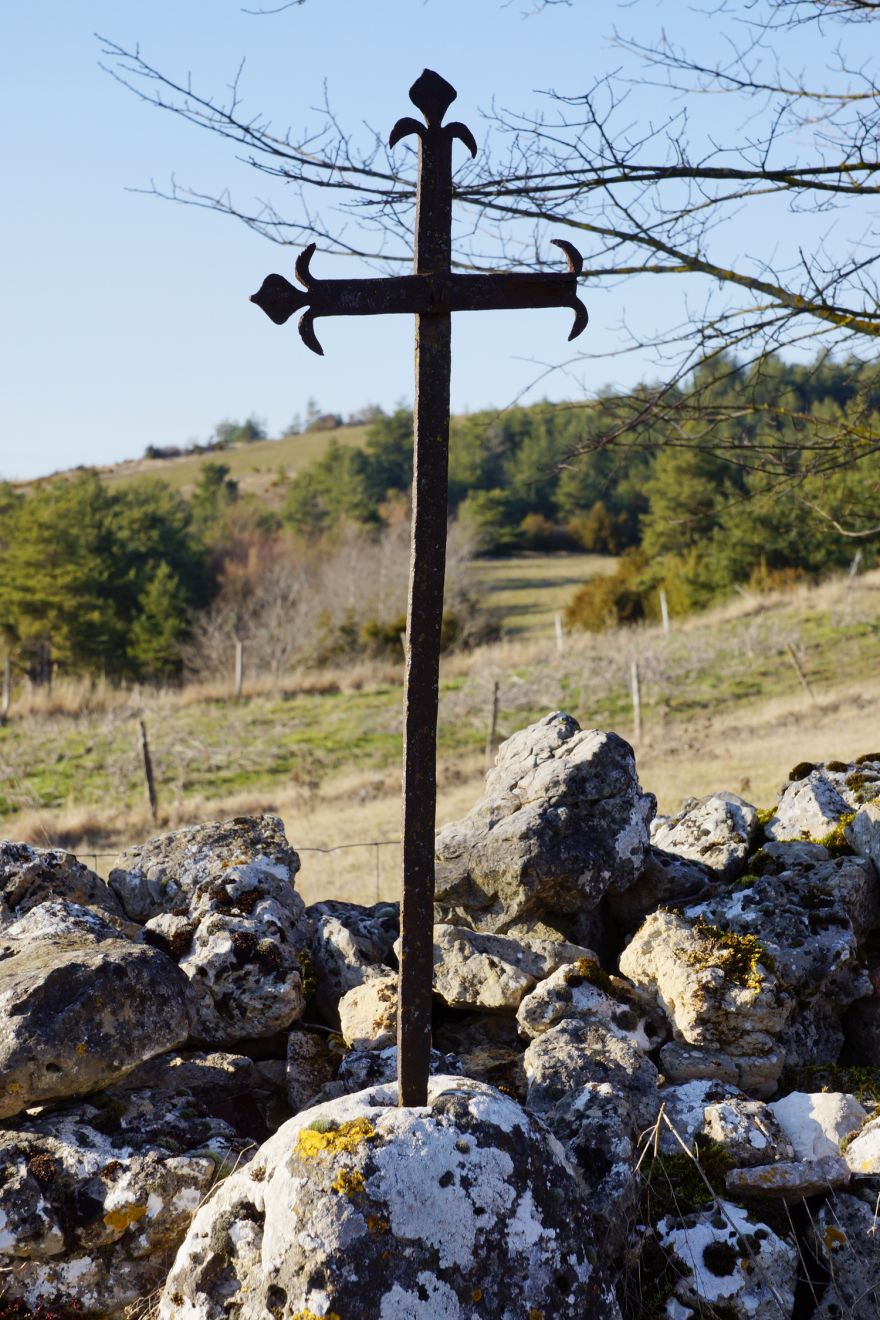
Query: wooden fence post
[[800, 672], [664, 612], [6, 698], [559, 632], [493, 724], [239, 668], [636, 701], [148, 772]]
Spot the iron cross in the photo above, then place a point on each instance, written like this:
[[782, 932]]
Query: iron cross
[[431, 294]]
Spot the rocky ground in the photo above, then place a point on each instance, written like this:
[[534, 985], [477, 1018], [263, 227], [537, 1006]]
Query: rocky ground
[[657, 1065]]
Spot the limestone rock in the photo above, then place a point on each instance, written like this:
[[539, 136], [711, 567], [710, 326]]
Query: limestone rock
[[845, 1237], [684, 1104], [487, 1047], [220, 899], [342, 957], [562, 821], [583, 990], [756, 1074], [575, 1053], [81, 1009], [310, 1065], [594, 1125], [809, 868], [728, 1258], [374, 929], [368, 1013], [473, 969], [789, 1180], [863, 833], [718, 831], [719, 991], [665, 880], [97, 1195], [817, 1123], [748, 1131], [362, 1208], [30, 876], [361, 1069], [802, 916], [863, 1152], [809, 808]]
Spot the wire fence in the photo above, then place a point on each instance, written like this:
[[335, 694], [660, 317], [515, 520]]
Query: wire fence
[[362, 879]]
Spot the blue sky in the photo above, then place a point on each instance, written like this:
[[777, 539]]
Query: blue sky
[[126, 319]]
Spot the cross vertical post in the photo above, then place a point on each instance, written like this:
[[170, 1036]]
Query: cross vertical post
[[431, 293]]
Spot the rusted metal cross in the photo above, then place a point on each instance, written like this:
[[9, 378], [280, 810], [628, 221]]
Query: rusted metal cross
[[431, 294]]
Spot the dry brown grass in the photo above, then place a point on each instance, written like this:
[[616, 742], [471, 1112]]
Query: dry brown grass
[[723, 709]]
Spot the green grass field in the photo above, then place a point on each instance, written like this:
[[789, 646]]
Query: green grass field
[[255, 467], [528, 591]]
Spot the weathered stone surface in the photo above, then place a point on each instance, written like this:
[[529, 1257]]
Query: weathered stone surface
[[789, 1180], [311, 1064], [816, 1123], [717, 830], [665, 880], [801, 916], [97, 1195], [583, 990], [342, 957], [845, 1238], [684, 1105], [719, 991], [80, 1009], [361, 1208], [863, 833], [755, 1074], [594, 1125], [809, 808], [361, 1069], [861, 1026], [731, 1259], [575, 1053], [862, 1155], [368, 1013], [220, 899], [748, 1131], [30, 876], [474, 969], [487, 1047], [562, 820], [808, 867]]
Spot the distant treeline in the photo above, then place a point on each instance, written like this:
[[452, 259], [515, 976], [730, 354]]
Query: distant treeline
[[753, 476]]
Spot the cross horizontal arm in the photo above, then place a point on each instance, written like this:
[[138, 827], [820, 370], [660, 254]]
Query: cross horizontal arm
[[419, 294]]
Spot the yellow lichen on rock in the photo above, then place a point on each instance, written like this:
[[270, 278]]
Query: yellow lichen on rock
[[310, 1315], [348, 1182], [124, 1216], [312, 1142]]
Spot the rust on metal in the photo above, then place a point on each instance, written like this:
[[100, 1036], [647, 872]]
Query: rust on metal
[[431, 294]]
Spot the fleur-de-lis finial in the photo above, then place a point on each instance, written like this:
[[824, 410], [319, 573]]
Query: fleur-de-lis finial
[[432, 95]]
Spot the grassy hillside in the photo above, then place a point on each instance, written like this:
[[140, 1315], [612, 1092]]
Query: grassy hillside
[[254, 466], [723, 707]]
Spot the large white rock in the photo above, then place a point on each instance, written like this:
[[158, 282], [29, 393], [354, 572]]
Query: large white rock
[[562, 820], [219, 898], [582, 990], [809, 808], [863, 833], [816, 1123], [359, 1208]]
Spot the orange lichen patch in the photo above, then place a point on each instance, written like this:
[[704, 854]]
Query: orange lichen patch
[[833, 1238], [376, 1224], [535, 1314], [124, 1216], [348, 1182], [477, 1295], [345, 1139], [82, 1047]]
